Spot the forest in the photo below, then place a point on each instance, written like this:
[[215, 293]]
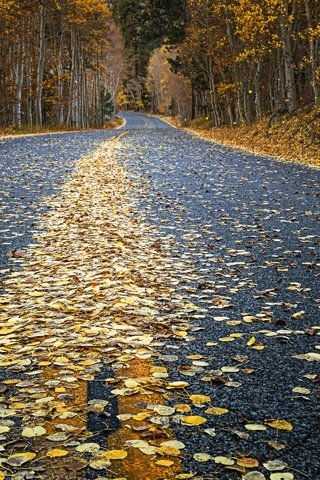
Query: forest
[[74, 62]]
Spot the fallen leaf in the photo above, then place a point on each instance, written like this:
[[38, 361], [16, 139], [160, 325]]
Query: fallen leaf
[[254, 476], [248, 462], [88, 448], [33, 432], [193, 420], [99, 463], [164, 463], [168, 450], [202, 457], [254, 427], [56, 452], [281, 476], [199, 399], [276, 445], [224, 460], [174, 444], [183, 408], [302, 390], [4, 429], [274, 465], [185, 476], [216, 411], [114, 454], [58, 437], [280, 424], [18, 459], [163, 410], [178, 384]]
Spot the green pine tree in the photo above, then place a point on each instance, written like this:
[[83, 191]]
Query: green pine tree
[[106, 110]]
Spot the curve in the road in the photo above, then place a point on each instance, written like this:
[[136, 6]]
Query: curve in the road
[[139, 121]]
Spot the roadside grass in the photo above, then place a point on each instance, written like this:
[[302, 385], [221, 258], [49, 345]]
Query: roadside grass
[[27, 130]]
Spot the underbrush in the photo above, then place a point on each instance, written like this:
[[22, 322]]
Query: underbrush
[[27, 130]]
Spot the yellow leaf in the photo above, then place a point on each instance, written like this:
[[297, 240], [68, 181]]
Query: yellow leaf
[[191, 306], [35, 294], [164, 410], [33, 432], [178, 384], [249, 319], [236, 335], [281, 476], [199, 399], [98, 463], [202, 457], [62, 359], [302, 390], [6, 330], [183, 408], [247, 462], [56, 452], [251, 341], [114, 454], [2, 475], [173, 443], [4, 429], [280, 425], [184, 476], [258, 347], [226, 339], [141, 416], [255, 426], [181, 333], [217, 411], [224, 460], [165, 463], [150, 450], [19, 459], [193, 420], [18, 406], [168, 450]]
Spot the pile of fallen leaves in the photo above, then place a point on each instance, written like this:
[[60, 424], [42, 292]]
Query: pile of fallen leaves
[[96, 292], [292, 137]]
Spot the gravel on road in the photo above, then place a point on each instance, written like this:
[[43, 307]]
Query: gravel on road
[[241, 235], [32, 168], [250, 225]]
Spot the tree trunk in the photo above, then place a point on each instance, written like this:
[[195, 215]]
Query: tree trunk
[[257, 91], [61, 69], [19, 83], [40, 71], [73, 107], [313, 57], [288, 59], [213, 95]]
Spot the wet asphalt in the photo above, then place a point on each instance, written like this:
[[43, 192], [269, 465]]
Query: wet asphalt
[[250, 227], [32, 168]]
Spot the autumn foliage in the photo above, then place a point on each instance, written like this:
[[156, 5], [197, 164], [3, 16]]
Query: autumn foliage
[[53, 61], [245, 59]]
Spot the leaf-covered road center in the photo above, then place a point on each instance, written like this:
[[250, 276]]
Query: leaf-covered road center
[[164, 325]]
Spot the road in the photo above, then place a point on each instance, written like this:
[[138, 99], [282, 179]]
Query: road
[[231, 241]]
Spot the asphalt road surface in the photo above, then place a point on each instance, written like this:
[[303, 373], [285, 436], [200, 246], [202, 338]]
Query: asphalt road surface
[[249, 225]]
